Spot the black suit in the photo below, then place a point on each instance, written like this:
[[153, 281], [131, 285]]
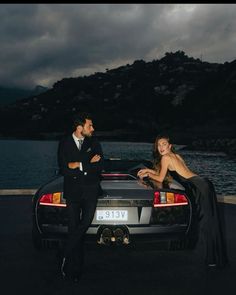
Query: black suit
[[81, 189]]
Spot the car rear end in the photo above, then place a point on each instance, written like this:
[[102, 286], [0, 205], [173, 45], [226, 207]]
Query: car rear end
[[127, 212], [140, 212]]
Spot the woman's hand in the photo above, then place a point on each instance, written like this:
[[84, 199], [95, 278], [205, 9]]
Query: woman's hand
[[73, 165], [143, 173], [95, 158]]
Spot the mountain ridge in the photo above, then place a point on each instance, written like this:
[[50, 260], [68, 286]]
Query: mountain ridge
[[187, 98], [12, 94]]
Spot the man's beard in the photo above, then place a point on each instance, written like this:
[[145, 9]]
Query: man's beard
[[86, 134]]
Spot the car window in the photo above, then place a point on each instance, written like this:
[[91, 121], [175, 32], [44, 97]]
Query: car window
[[130, 166], [117, 176]]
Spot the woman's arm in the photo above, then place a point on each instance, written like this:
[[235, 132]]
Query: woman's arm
[[164, 167], [143, 172]]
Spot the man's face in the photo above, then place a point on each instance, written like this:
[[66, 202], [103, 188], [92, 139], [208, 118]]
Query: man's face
[[87, 129]]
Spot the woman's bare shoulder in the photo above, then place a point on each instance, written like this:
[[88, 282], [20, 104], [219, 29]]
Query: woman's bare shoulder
[[179, 157], [166, 158]]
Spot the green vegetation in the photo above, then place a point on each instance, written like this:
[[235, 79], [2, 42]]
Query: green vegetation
[[185, 97]]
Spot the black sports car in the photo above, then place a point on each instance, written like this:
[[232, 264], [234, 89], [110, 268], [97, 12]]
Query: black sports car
[[128, 210]]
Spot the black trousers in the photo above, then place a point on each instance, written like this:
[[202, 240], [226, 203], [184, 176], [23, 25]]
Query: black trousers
[[80, 215]]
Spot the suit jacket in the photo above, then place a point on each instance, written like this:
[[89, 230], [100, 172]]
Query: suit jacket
[[75, 181]]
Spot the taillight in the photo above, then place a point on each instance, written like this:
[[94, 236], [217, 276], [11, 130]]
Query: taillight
[[53, 199], [165, 199]]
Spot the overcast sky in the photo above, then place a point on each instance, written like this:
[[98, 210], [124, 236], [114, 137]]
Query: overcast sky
[[44, 43]]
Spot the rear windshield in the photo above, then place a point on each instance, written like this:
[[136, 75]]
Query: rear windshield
[[125, 166], [117, 176]]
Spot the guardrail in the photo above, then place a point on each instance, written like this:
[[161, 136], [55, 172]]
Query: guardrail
[[230, 199]]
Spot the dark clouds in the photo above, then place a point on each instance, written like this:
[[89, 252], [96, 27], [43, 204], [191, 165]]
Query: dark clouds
[[43, 43]]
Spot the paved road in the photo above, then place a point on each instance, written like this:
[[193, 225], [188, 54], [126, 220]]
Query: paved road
[[109, 270]]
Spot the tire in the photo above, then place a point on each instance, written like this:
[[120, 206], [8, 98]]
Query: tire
[[187, 242]]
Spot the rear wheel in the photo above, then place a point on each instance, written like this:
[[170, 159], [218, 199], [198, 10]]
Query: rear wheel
[[187, 242]]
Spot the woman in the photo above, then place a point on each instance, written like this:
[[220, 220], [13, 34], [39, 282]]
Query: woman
[[168, 162]]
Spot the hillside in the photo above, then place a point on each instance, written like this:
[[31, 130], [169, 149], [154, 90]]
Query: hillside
[[185, 97], [11, 95]]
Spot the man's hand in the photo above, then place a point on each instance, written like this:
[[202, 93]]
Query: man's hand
[[95, 158], [73, 165]]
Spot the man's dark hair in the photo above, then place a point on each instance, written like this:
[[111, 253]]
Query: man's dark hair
[[80, 119]]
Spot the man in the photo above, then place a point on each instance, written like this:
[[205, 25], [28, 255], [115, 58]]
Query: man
[[81, 161]]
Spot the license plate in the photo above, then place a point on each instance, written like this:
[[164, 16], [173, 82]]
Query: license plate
[[112, 215]]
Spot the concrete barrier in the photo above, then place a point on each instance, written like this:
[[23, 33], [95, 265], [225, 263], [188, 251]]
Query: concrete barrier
[[230, 199], [17, 192]]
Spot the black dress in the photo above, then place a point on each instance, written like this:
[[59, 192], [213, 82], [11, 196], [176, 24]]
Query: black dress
[[203, 192]]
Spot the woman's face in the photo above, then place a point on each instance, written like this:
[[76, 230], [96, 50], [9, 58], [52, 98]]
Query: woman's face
[[163, 146]]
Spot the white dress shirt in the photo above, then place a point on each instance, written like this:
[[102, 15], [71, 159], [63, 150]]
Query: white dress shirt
[[76, 139]]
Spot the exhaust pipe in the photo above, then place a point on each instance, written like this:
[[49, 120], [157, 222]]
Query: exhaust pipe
[[105, 236], [118, 235]]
